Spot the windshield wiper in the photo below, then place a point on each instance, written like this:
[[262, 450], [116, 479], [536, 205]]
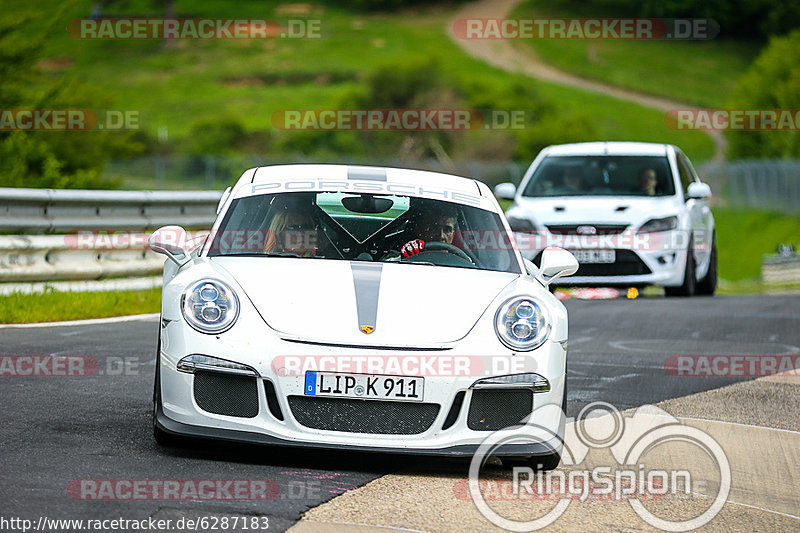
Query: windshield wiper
[[281, 254]]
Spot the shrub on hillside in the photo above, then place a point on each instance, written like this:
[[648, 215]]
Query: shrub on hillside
[[772, 82]]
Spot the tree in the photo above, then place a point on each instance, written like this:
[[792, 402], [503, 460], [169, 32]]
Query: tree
[[772, 82]]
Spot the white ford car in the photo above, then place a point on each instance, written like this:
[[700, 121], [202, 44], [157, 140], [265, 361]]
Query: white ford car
[[633, 214], [367, 308]]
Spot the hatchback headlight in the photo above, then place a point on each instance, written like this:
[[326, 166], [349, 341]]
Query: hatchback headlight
[[659, 224], [521, 324], [210, 306]]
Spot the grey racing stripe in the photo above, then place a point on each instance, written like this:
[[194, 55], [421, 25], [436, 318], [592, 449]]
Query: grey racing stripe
[[366, 173], [367, 284]]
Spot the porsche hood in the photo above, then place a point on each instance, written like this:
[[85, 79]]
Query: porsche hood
[[362, 303]]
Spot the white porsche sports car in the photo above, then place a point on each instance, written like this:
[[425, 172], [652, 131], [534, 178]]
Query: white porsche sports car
[[632, 213], [360, 307]]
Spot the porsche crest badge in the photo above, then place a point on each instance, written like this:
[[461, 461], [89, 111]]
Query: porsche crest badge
[[367, 329]]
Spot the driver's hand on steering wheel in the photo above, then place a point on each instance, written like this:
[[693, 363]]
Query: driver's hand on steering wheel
[[412, 248]]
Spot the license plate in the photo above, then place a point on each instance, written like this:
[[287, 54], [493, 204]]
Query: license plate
[[366, 386], [594, 256]]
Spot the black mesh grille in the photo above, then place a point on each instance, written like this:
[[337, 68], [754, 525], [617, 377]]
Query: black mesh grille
[[226, 394], [363, 416], [600, 229], [626, 263], [490, 410]]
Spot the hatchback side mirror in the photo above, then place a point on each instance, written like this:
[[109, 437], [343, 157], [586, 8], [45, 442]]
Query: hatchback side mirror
[[556, 263], [700, 191], [505, 191], [170, 241]]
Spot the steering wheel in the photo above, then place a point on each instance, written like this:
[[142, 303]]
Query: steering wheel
[[436, 246]]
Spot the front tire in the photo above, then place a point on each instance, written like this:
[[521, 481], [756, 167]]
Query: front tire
[[161, 437], [708, 285], [689, 283], [540, 463]]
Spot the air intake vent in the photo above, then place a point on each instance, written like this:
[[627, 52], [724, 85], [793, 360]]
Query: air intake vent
[[272, 400], [491, 410], [226, 394]]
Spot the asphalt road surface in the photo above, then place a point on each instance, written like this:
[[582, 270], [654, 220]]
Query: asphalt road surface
[[59, 430]]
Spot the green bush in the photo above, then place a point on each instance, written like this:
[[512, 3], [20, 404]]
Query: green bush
[[772, 82]]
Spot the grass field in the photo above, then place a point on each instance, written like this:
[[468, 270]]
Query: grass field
[[175, 87], [700, 73], [743, 237], [56, 306]]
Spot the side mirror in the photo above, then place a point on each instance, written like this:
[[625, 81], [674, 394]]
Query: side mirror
[[556, 263], [223, 199], [505, 191], [700, 191], [170, 241]]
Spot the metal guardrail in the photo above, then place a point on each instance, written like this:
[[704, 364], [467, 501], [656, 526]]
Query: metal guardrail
[[68, 257], [63, 238], [780, 270], [29, 211]]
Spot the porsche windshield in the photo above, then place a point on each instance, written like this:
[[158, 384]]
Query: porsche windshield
[[365, 227], [602, 176]]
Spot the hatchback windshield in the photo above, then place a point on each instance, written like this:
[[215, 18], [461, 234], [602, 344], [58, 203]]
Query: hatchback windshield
[[365, 227], [602, 175]]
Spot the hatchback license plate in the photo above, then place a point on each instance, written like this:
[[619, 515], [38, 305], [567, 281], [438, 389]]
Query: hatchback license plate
[[368, 386], [594, 256]]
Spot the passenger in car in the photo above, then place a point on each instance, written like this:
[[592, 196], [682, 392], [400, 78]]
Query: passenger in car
[[571, 181], [648, 181], [292, 231]]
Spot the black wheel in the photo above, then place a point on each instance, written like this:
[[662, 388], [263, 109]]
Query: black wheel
[[689, 282], [541, 463], [162, 437], [708, 285]]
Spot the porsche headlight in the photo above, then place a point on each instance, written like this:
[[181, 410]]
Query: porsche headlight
[[521, 324], [210, 306]]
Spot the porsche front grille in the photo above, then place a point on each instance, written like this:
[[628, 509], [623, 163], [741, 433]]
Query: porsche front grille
[[226, 394], [363, 416], [491, 410]]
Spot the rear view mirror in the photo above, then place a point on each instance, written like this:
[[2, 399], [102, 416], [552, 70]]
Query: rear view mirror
[[556, 263], [367, 203]]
